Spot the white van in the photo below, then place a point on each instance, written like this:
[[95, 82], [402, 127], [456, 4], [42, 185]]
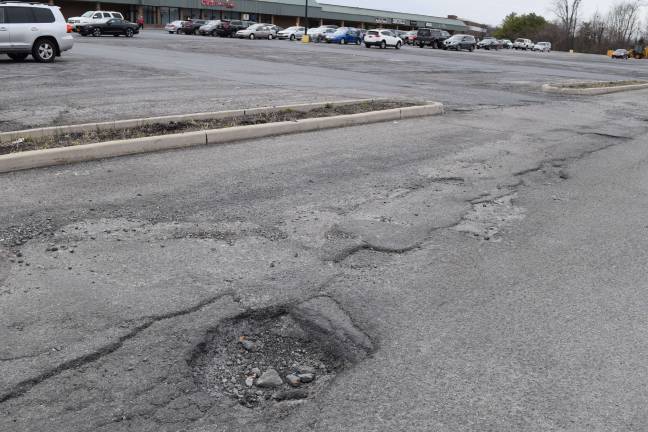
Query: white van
[[33, 28]]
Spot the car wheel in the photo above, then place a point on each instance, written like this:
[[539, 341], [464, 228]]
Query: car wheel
[[251, 36], [129, 32], [270, 37], [170, 32], [421, 45], [18, 57], [357, 42], [195, 32], [343, 42], [116, 35], [472, 48], [292, 37], [96, 32], [383, 45], [398, 45], [44, 50], [367, 46]]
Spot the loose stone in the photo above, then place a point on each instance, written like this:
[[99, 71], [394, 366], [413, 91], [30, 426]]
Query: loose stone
[[306, 378], [293, 380], [270, 378]]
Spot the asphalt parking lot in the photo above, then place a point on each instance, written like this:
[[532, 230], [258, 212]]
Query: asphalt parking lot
[[483, 270], [157, 73]]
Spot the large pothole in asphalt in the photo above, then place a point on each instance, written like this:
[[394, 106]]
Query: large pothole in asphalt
[[279, 355]]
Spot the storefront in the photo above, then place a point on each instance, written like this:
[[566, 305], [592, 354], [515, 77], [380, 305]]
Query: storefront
[[284, 13]]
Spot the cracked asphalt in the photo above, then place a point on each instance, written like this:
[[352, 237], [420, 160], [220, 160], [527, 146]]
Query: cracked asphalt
[[493, 258]]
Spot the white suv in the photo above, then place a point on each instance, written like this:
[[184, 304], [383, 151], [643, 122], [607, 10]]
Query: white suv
[[522, 44], [33, 28], [93, 17]]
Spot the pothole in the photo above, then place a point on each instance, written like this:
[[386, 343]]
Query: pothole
[[279, 355], [487, 218]]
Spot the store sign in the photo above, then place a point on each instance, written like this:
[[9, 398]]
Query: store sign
[[218, 3], [382, 20], [400, 21]]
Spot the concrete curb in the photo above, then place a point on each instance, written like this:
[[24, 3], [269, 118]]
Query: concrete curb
[[65, 155], [6, 137], [550, 88]]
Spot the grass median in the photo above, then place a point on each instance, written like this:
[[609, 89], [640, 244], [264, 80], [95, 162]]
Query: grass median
[[173, 127], [601, 84]]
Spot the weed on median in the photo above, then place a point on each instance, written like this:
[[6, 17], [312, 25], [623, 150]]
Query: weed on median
[[101, 135]]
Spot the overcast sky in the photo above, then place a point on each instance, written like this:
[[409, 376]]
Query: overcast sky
[[486, 11]]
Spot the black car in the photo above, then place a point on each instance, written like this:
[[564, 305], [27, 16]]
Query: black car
[[113, 26], [431, 37], [460, 42], [228, 28], [191, 26]]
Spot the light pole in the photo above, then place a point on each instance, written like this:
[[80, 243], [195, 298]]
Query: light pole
[[306, 18]]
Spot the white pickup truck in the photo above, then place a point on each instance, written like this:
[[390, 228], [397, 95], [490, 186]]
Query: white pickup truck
[[92, 17]]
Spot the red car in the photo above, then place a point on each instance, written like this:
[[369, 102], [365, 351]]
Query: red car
[[410, 37]]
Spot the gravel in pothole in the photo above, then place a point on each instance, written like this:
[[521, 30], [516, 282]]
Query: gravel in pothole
[[260, 361]]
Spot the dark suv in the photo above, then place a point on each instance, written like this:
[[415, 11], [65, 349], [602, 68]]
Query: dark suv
[[431, 37], [191, 26], [228, 28]]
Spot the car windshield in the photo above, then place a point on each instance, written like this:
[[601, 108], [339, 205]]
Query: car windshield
[[87, 14], [372, 33], [341, 31], [455, 37]]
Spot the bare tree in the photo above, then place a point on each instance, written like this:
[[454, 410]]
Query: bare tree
[[623, 21], [567, 12]]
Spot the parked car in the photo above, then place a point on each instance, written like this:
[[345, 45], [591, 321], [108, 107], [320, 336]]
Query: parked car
[[431, 37], [91, 17], [228, 28], [114, 26], [209, 28], [400, 33], [523, 44], [292, 33], [542, 46], [410, 37], [506, 44], [488, 43], [620, 54], [382, 38], [318, 34], [344, 35], [460, 42], [173, 26], [191, 26], [258, 31], [36, 29]]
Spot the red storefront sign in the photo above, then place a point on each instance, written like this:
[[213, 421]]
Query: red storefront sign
[[218, 3]]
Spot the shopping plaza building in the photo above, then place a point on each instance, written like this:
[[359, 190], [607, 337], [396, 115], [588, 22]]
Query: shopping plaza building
[[284, 13]]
